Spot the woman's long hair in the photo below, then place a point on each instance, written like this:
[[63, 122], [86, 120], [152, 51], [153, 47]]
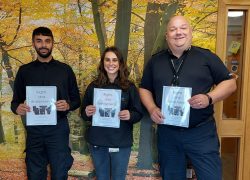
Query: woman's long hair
[[123, 73]]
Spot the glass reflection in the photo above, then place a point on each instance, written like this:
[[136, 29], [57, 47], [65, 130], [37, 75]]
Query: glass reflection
[[235, 61]]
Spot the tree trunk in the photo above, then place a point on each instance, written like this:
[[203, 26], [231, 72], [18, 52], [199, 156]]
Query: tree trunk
[[78, 126], [2, 138], [160, 42], [151, 28], [154, 40], [8, 68], [99, 24], [122, 27]]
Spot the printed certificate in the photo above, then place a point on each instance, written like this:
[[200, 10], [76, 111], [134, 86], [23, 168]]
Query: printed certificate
[[175, 107], [108, 105], [41, 100]]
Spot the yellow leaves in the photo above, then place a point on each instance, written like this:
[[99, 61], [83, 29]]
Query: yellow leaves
[[12, 150], [203, 17], [159, 1], [5, 99], [72, 24]]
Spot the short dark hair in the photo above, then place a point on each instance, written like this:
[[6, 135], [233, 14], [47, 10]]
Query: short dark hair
[[42, 31]]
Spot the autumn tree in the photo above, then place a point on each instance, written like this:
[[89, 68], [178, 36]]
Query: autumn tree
[[122, 27], [5, 45], [99, 23], [151, 29], [154, 40]]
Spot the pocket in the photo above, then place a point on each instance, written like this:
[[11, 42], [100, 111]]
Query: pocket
[[97, 149]]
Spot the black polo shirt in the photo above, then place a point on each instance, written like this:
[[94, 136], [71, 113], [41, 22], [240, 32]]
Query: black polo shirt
[[201, 70], [53, 73]]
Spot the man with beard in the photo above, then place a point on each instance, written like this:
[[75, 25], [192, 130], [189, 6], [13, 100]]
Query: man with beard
[[47, 144]]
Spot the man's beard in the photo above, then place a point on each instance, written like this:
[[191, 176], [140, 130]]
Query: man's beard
[[42, 54]]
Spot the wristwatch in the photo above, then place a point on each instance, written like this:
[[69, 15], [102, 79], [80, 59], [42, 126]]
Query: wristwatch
[[210, 100]]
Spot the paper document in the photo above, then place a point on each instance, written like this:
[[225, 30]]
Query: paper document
[[175, 107], [108, 105], [41, 100]]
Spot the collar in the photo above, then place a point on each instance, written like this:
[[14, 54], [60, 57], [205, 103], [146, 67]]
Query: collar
[[184, 52], [52, 61]]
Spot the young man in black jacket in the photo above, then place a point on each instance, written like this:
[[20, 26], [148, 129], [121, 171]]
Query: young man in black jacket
[[47, 144]]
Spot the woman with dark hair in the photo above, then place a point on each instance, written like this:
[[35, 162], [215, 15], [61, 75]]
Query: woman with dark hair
[[110, 147]]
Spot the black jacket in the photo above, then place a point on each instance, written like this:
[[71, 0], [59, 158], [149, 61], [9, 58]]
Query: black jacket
[[53, 73], [114, 137]]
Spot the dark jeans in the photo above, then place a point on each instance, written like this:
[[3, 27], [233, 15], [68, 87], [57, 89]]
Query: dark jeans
[[110, 164], [199, 144], [48, 145]]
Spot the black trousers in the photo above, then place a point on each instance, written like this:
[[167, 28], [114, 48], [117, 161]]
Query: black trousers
[[48, 145], [199, 144]]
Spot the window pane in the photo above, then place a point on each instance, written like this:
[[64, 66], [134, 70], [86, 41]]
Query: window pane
[[230, 148], [235, 61]]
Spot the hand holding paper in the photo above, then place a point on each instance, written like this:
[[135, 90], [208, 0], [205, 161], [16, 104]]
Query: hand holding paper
[[62, 105], [22, 109], [90, 110], [157, 116], [124, 115]]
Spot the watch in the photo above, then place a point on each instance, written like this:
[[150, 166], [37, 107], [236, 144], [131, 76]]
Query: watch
[[210, 100]]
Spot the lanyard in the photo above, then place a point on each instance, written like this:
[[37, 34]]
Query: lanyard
[[177, 70]]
